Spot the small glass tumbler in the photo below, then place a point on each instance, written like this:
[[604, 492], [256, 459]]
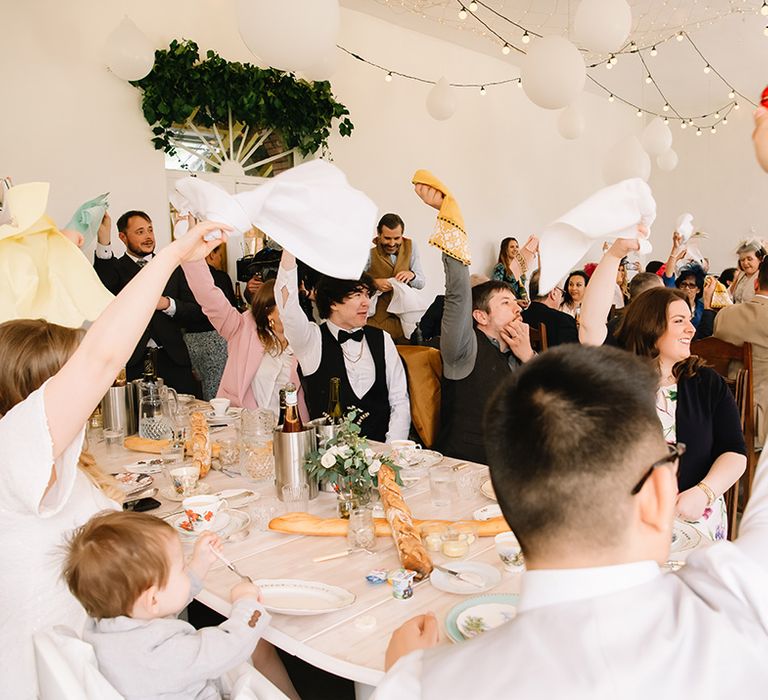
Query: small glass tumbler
[[442, 486], [113, 441], [172, 457], [296, 498], [263, 511], [229, 453], [361, 533]]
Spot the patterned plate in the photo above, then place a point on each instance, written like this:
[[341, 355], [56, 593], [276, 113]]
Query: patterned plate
[[133, 483], [293, 597], [451, 627], [684, 537]]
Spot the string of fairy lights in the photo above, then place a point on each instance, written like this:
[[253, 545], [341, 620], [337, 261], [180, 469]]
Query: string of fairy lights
[[707, 122]]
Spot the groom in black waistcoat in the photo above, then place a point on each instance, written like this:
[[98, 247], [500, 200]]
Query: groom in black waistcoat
[[175, 309]]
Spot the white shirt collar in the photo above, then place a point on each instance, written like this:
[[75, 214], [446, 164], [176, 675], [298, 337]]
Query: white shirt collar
[[551, 586], [136, 258], [334, 329]]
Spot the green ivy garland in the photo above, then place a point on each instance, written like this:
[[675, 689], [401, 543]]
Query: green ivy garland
[[181, 86]]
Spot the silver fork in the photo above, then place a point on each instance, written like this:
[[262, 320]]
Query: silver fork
[[231, 566]]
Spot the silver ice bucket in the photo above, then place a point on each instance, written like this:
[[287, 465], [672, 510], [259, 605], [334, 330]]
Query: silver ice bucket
[[119, 409], [291, 450]]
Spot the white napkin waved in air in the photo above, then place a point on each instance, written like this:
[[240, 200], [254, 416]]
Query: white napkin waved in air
[[311, 210], [690, 239], [613, 212], [408, 304]]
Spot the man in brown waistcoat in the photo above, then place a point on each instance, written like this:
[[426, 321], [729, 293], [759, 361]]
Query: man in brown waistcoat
[[393, 257]]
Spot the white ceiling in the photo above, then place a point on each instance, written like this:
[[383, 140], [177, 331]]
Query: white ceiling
[[729, 34]]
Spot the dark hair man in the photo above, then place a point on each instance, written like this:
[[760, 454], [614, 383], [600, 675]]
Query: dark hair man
[[393, 257], [362, 357], [176, 309], [561, 327], [588, 485]]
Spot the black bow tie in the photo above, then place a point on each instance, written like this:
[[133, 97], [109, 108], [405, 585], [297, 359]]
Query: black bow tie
[[357, 336]]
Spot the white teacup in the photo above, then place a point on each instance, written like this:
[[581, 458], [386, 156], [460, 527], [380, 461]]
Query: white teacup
[[184, 480], [404, 451], [219, 406], [510, 552], [201, 511]]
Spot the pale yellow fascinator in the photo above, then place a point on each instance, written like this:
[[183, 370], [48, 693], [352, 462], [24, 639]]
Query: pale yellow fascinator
[[42, 273], [450, 235]]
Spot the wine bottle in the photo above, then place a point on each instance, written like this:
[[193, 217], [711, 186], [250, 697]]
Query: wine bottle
[[292, 422], [335, 413], [281, 417], [239, 301]]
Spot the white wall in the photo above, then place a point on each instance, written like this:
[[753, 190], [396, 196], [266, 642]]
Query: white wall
[[67, 120]]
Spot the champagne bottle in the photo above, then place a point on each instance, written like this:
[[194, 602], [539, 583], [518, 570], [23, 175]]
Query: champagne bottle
[[335, 413], [281, 417], [239, 301], [292, 422]]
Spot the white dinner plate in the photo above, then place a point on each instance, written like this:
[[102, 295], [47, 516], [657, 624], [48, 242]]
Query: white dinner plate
[[169, 493], [425, 458], [237, 498], [133, 483], [295, 597], [153, 465], [226, 419], [684, 537], [483, 617], [487, 490], [487, 512], [490, 575]]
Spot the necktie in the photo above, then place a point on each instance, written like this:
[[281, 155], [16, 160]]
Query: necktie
[[357, 336]]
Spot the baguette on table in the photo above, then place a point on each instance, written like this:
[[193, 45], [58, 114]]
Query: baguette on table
[[140, 444], [306, 524]]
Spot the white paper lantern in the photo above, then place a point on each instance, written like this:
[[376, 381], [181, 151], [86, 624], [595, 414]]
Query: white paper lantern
[[625, 160], [553, 72], [656, 138], [128, 52], [602, 26], [440, 101], [292, 35], [667, 161], [571, 123], [324, 68]]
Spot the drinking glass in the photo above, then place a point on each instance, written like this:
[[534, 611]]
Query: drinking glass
[[361, 533], [172, 457], [263, 511], [229, 453], [113, 441], [442, 486], [296, 498]]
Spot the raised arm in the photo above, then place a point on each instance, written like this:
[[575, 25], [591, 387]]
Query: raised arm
[[76, 389], [222, 315], [676, 254], [523, 262], [598, 295]]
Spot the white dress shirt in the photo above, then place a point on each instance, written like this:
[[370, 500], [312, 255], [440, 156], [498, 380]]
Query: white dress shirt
[[273, 374], [305, 339], [623, 631]]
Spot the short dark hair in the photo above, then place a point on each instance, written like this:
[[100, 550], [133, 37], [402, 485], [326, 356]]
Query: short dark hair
[[654, 266], [482, 293], [762, 274], [567, 437], [391, 221], [642, 281], [692, 270], [122, 222], [332, 290], [727, 276]]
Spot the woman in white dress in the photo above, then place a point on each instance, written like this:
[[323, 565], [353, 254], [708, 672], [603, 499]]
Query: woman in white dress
[[50, 382]]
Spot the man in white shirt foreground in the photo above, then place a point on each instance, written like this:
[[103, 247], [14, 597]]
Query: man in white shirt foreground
[[362, 357], [588, 485]]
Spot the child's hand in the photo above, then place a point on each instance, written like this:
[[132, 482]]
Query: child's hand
[[245, 589], [202, 556]]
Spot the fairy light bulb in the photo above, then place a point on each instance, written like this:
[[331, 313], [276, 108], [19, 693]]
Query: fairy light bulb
[[680, 36], [717, 115], [666, 107], [609, 66], [520, 83], [613, 59], [725, 121], [632, 46], [505, 49], [653, 51], [764, 9], [698, 131], [482, 91], [713, 130], [683, 124], [526, 37], [648, 79], [639, 112], [473, 6], [765, 31], [462, 13], [731, 95], [707, 69], [735, 105], [388, 78], [611, 98], [666, 120]]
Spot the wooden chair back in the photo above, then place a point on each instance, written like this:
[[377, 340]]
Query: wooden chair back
[[734, 364], [424, 368], [539, 338]]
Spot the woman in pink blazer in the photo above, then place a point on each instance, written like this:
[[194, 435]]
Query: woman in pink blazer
[[259, 361]]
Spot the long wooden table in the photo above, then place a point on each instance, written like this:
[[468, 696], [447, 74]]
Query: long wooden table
[[350, 642]]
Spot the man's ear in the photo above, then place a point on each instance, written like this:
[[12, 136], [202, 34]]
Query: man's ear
[[657, 499], [480, 316], [122, 237]]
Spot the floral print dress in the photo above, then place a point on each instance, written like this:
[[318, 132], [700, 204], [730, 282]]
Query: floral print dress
[[501, 274], [714, 523]]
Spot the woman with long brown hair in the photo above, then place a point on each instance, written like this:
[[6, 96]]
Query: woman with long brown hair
[[694, 405], [51, 379], [259, 361]]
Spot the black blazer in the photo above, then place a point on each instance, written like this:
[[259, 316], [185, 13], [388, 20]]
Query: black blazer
[[165, 330], [561, 328]]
